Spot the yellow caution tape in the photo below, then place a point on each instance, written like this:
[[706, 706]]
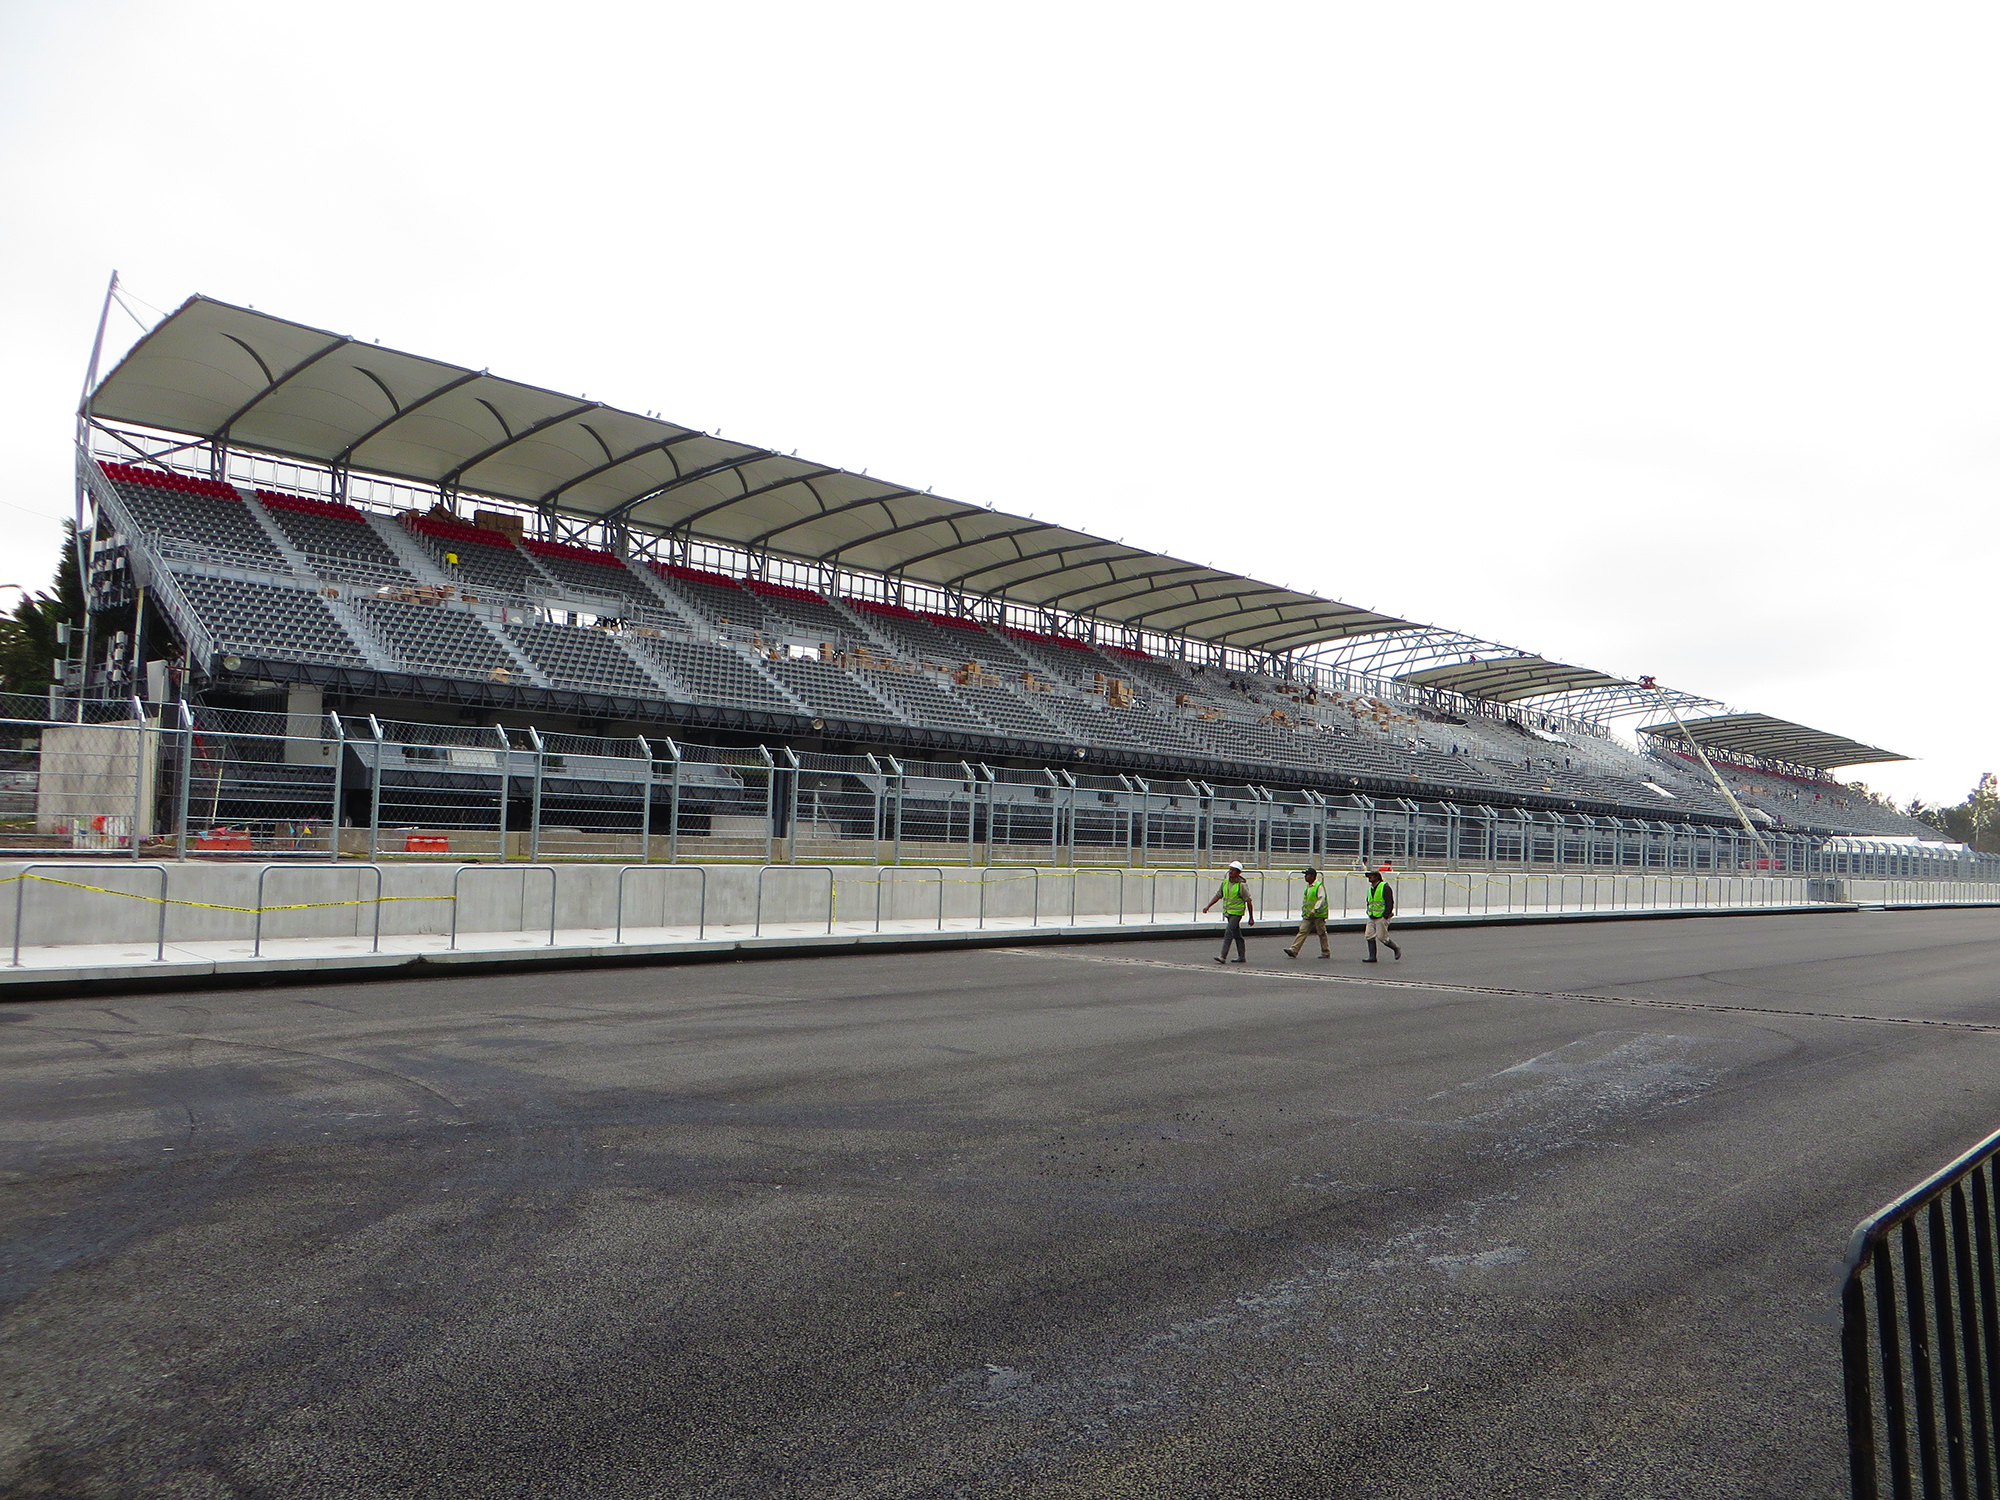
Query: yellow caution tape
[[77, 885]]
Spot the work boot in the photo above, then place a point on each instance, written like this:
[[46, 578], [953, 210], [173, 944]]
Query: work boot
[[1395, 950], [1371, 952]]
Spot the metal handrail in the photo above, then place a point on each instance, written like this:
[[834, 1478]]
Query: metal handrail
[[257, 931], [701, 915], [757, 928], [21, 896], [522, 870], [1034, 911], [880, 880]]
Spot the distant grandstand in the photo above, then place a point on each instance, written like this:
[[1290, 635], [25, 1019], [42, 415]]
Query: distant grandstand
[[283, 519]]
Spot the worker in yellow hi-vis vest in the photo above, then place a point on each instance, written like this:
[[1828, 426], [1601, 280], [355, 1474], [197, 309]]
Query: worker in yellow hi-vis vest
[[1312, 916], [1238, 910], [1381, 907]]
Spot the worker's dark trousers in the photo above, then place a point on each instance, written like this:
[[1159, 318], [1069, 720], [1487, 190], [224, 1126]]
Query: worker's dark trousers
[[1233, 933]]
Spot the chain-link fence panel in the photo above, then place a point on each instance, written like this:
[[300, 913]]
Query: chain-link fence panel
[[1024, 816], [594, 798], [836, 807], [940, 812], [437, 791], [726, 804]]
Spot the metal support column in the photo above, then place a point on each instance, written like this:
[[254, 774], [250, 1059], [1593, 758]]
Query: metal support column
[[339, 768], [645, 802], [791, 805], [770, 803], [375, 794], [506, 754], [138, 773], [673, 805], [183, 791], [535, 798]]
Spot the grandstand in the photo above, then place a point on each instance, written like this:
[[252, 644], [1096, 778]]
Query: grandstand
[[285, 519]]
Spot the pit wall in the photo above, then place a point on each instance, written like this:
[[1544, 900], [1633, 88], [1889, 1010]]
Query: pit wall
[[210, 902]]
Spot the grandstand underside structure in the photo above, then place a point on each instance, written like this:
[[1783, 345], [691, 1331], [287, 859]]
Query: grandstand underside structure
[[286, 520]]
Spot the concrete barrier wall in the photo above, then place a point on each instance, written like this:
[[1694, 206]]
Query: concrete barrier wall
[[211, 901]]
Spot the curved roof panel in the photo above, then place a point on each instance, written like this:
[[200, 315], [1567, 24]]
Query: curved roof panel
[[1774, 739], [1509, 679], [233, 375]]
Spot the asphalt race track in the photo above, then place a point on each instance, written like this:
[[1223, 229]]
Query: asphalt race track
[[1061, 1222]]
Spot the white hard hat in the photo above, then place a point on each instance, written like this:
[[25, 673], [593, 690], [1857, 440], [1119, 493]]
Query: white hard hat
[[1236, 864]]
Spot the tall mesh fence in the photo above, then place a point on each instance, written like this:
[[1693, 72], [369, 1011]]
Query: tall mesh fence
[[171, 780]]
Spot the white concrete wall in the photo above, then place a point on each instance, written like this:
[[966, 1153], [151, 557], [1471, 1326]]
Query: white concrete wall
[[513, 898]]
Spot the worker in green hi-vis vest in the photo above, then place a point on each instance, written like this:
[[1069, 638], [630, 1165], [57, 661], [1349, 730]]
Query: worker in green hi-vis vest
[[1237, 910], [1381, 907], [1312, 916]]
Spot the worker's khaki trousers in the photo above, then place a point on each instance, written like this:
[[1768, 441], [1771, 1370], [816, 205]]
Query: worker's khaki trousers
[[1308, 926]]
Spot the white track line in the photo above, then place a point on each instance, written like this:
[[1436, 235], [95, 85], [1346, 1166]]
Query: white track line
[[1244, 971]]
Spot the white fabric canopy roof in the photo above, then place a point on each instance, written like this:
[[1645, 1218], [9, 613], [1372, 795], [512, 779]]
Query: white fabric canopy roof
[[238, 377], [1774, 739]]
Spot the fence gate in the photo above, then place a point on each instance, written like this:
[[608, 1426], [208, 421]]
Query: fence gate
[[1920, 1339]]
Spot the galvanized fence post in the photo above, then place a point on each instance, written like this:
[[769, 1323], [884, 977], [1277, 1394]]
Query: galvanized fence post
[[186, 787], [896, 769], [791, 805], [645, 802], [770, 803], [139, 774], [535, 798], [375, 793], [506, 761], [674, 809], [339, 765]]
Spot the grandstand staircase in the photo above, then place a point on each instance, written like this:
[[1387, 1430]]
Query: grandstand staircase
[[363, 638], [420, 565]]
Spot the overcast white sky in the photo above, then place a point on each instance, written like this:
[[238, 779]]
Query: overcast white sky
[[1660, 339]]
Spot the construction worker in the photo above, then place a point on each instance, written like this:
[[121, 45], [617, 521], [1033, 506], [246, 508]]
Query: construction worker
[[1381, 907], [1312, 916], [1238, 910]]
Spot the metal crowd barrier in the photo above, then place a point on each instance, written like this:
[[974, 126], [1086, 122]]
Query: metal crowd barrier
[[257, 937], [1920, 1338], [522, 871], [701, 912], [21, 897]]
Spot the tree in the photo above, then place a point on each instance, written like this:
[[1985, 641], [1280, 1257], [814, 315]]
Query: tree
[[28, 636], [1975, 821]]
